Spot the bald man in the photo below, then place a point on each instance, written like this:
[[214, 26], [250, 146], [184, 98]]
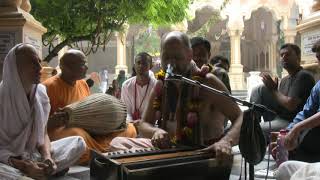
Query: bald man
[[184, 102], [69, 87]]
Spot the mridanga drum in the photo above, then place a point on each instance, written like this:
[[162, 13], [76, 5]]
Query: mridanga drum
[[98, 114]]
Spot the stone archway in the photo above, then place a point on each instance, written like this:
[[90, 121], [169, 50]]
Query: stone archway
[[240, 10], [260, 36]]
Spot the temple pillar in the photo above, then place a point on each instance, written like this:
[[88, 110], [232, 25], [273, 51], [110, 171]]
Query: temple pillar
[[290, 35], [289, 29], [273, 55], [236, 69], [18, 26], [121, 53]]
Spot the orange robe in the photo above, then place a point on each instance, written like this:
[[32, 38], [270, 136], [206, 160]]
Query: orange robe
[[61, 94]]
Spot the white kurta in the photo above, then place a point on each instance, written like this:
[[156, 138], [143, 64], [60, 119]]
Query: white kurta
[[128, 96]]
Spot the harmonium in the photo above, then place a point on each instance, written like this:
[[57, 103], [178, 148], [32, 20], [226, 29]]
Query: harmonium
[[158, 164]]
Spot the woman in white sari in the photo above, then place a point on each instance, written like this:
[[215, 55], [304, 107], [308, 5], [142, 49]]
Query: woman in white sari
[[25, 148]]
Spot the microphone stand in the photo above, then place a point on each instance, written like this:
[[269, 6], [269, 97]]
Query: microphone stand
[[257, 107], [170, 76]]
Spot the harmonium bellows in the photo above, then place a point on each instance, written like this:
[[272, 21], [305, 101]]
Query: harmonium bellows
[[156, 164]]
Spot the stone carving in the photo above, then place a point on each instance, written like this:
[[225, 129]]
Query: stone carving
[[23, 4], [316, 5]]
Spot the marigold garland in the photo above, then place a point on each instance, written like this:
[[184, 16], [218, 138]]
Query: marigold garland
[[193, 107], [160, 75]]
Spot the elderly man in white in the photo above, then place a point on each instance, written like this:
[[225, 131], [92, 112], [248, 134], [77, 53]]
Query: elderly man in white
[[25, 148]]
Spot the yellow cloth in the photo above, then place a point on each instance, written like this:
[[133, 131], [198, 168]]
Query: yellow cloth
[[61, 94]]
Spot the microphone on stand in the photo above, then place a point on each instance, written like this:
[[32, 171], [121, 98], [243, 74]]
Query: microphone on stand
[[170, 76], [169, 72]]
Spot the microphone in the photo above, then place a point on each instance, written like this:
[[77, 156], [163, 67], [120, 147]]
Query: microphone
[[170, 75], [169, 72]]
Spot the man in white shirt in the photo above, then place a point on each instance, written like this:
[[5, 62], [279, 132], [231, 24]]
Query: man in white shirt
[[135, 92]]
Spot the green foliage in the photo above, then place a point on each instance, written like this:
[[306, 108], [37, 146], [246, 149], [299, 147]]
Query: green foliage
[[95, 20], [148, 41]]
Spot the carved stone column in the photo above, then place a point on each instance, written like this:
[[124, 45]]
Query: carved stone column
[[289, 29], [236, 69], [273, 55], [121, 53]]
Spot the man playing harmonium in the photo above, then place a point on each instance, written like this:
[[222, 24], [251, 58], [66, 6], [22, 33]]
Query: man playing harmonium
[[190, 116], [69, 87]]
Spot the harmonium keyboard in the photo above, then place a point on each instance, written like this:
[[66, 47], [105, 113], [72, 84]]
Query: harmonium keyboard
[[155, 164]]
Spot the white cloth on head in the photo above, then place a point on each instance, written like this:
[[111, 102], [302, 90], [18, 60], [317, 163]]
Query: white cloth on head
[[128, 95], [22, 123]]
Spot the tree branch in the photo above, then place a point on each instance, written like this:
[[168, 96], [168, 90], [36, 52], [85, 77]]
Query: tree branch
[[64, 43]]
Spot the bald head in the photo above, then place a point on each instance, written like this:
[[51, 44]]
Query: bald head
[[176, 51], [72, 56], [176, 36], [73, 65]]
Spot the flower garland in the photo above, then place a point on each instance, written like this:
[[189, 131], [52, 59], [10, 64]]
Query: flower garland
[[186, 134]]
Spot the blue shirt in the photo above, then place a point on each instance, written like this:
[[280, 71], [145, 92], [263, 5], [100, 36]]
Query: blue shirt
[[310, 108]]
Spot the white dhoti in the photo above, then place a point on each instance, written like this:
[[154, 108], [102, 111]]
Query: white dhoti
[[65, 152], [297, 170]]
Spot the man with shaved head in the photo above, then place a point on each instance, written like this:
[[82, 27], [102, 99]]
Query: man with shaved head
[[25, 148], [69, 87], [190, 116]]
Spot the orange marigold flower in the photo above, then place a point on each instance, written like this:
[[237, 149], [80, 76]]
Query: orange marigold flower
[[160, 75]]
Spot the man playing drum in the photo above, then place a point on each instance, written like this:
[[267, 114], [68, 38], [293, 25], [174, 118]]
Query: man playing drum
[[69, 87], [190, 115]]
